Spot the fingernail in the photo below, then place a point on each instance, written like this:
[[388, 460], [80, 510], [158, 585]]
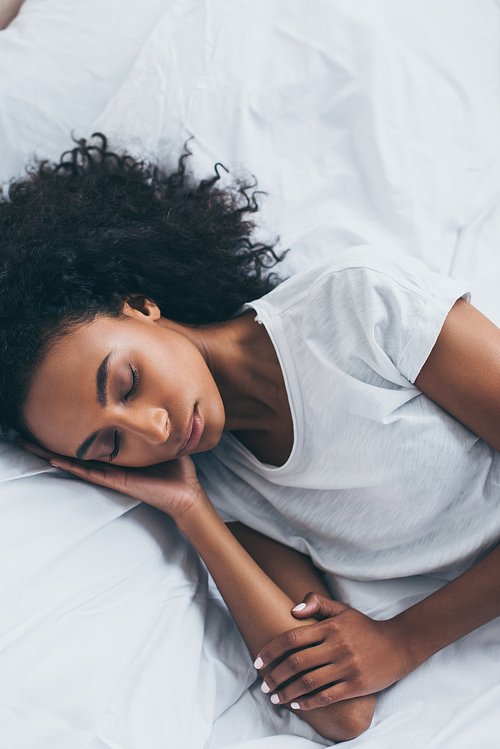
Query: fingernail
[[53, 463], [275, 699], [299, 607], [295, 705], [265, 688], [258, 663]]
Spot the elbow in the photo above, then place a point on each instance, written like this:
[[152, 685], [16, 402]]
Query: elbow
[[358, 718], [345, 720]]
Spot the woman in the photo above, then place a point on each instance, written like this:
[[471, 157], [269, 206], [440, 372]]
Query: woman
[[125, 342]]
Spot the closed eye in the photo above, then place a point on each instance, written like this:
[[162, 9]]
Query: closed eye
[[135, 382], [116, 448]]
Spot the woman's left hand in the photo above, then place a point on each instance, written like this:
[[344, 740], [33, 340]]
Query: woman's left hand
[[345, 655]]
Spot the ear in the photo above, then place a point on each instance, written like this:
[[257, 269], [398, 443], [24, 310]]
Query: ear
[[140, 306]]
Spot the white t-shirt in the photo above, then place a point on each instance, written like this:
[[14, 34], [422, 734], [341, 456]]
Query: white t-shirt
[[381, 482]]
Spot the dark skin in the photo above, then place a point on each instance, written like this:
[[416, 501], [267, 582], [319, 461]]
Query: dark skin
[[229, 373]]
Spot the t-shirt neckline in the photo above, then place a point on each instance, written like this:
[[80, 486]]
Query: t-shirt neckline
[[285, 359]]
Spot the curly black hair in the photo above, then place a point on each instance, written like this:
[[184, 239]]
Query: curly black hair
[[79, 236]]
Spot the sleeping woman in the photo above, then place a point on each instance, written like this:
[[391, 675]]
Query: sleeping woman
[[348, 415]]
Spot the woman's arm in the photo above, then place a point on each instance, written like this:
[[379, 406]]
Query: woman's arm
[[8, 11], [292, 571], [363, 655], [259, 606], [462, 372]]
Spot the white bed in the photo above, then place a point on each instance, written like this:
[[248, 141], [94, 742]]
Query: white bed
[[367, 121]]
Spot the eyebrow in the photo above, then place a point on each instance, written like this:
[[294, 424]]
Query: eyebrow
[[102, 398], [102, 381], [80, 453]]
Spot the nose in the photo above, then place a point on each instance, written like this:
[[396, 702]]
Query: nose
[[151, 425]]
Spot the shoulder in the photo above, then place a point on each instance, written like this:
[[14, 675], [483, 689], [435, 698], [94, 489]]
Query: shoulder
[[365, 304], [353, 275]]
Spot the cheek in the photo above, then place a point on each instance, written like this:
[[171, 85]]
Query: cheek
[[182, 374], [138, 458]]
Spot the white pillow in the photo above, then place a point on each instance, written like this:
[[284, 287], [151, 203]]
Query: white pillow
[[60, 63], [109, 634]]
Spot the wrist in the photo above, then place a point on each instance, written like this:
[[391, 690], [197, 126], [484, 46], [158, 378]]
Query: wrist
[[409, 641], [198, 513]]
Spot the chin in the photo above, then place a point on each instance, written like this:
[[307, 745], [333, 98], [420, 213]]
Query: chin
[[210, 441]]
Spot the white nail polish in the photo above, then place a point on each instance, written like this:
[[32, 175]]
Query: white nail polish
[[275, 699], [258, 663], [299, 607], [295, 705], [265, 688]]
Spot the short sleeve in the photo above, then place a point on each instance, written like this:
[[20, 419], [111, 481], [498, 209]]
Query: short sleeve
[[428, 327], [376, 315]]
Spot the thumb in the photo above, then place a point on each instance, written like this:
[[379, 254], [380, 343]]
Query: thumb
[[318, 606]]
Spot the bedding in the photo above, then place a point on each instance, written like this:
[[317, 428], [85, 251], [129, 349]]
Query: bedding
[[367, 122]]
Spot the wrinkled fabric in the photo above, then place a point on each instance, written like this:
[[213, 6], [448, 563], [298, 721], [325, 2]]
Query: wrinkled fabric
[[380, 481], [373, 121]]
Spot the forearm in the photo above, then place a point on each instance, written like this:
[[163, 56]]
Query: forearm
[[259, 607], [262, 610], [461, 606]]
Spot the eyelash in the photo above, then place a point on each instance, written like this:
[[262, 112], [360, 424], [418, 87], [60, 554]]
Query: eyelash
[[135, 383], [116, 448]]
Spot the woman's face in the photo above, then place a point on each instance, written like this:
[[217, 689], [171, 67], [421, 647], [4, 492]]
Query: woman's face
[[131, 389]]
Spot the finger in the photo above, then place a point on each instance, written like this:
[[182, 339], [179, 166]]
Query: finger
[[332, 693], [319, 606], [294, 639], [101, 474], [308, 684], [41, 452], [294, 666]]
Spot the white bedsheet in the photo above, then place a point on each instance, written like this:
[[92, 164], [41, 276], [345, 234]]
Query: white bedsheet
[[366, 121]]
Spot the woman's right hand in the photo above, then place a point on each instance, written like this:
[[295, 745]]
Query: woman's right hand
[[172, 487]]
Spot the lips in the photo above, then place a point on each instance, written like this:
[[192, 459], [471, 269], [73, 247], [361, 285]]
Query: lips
[[196, 431]]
